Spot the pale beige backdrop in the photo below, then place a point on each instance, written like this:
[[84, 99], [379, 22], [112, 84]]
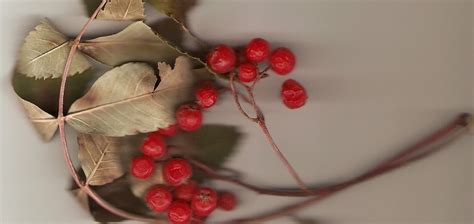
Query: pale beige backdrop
[[380, 75]]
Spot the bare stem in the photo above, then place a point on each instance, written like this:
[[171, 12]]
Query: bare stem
[[64, 144], [428, 146]]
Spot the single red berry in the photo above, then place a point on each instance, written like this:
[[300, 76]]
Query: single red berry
[[189, 117], [169, 131], [154, 145], [257, 50], [293, 94], [282, 61], [221, 59], [204, 201], [158, 198], [185, 191], [247, 72], [177, 171], [227, 201], [142, 167], [179, 212], [206, 94]]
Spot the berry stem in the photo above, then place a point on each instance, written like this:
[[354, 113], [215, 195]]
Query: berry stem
[[419, 150], [428, 146], [260, 120]]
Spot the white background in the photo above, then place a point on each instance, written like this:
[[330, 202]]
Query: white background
[[380, 74]]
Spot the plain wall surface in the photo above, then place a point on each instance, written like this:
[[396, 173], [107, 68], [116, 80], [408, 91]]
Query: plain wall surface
[[380, 75]]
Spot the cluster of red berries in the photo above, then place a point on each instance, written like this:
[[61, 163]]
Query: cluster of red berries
[[181, 198], [223, 60]]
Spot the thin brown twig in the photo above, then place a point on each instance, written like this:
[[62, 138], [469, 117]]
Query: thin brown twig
[[86, 188], [452, 132], [419, 149]]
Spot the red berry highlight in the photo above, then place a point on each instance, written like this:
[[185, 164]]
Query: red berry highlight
[[158, 199], [221, 59], [247, 72], [185, 191], [142, 167], [189, 117], [176, 171], [227, 201], [206, 94], [293, 94], [282, 61], [179, 212], [204, 201], [154, 145], [257, 50], [169, 131]]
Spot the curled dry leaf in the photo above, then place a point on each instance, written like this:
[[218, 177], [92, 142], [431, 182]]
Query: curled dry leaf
[[44, 123], [44, 53], [124, 101], [122, 10], [100, 158], [137, 42]]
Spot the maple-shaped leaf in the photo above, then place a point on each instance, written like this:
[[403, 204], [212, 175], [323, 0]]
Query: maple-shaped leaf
[[100, 158], [176, 9], [137, 42], [124, 100], [44, 123], [44, 54], [122, 10]]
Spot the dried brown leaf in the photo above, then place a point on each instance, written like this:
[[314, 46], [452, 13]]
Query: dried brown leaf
[[44, 53], [137, 42], [122, 10], [174, 8], [100, 158], [124, 102], [44, 123]]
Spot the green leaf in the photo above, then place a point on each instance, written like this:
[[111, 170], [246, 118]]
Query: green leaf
[[118, 194], [122, 10], [124, 100], [137, 42], [45, 92], [44, 53], [174, 8], [44, 123], [100, 158], [211, 144]]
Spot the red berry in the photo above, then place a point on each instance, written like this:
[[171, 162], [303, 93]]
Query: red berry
[[227, 201], [185, 191], [293, 94], [247, 72], [177, 171], [206, 94], [142, 167], [158, 199], [282, 61], [169, 131], [189, 117], [204, 201], [154, 145], [221, 59], [257, 50], [179, 212]]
